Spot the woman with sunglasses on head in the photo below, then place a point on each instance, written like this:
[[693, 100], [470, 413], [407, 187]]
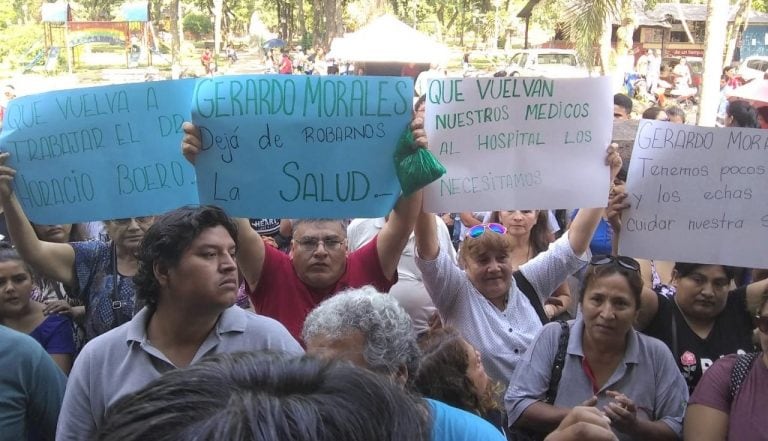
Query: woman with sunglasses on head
[[99, 274], [532, 236], [481, 299], [603, 362], [727, 401]]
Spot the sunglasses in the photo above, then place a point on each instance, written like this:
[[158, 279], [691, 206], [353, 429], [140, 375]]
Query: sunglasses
[[478, 230], [762, 324], [623, 261]]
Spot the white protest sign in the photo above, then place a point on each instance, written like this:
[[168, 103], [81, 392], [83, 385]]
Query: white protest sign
[[518, 143], [697, 194]]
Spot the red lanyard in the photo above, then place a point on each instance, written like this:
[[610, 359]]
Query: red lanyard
[[591, 375]]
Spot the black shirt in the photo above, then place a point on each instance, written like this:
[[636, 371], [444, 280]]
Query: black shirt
[[731, 333]]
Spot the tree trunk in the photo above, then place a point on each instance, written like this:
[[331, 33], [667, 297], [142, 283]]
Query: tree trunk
[[332, 21], [318, 36], [734, 29], [625, 59], [605, 47], [218, 6], [717, 20], [302, 22], [177, 36]]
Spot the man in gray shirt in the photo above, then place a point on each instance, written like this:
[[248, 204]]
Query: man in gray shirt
[[187, 278]]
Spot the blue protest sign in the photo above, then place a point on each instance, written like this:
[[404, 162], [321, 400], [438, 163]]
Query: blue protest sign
[[100, 153], [300, 146]]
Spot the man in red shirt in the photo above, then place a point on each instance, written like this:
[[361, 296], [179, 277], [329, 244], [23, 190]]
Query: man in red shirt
[[288, 287]]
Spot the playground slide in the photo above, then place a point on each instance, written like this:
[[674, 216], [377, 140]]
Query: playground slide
[[53, 59], [152, 39], [38, 57]]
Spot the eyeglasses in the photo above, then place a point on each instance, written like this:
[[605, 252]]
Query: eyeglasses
[[478, 230], [311, 243], [143, 220], [623, 261], [762, 324]]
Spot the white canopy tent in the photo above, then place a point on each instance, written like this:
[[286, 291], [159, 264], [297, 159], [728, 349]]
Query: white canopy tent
[[386, 39]]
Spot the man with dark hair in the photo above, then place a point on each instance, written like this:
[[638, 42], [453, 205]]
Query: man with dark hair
[[256, 396], [622, 107], [187, 278], [286, 287]]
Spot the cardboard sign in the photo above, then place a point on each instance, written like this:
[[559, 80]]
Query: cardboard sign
[[698, 195], [519, 143], [300, 146], [100, 153], [274, 146]]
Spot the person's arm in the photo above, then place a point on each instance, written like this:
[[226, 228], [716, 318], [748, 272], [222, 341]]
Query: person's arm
[[649, 306], [559, 302], [468, 219], [250, 252], [585, 223], [649, 301], [542, 417], [52, 260], [397, 230], [530, 381], [425, 232], [395, 233], [755, 292], [703, 423], [444, 238]]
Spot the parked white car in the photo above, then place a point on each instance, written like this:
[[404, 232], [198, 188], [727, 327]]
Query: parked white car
[[753, 68], [550, 63]]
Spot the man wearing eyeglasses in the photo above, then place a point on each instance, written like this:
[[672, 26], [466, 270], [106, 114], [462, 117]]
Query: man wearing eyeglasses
[[288, 287]]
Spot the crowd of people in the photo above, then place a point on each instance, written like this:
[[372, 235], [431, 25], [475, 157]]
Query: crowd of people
[[508, 324]]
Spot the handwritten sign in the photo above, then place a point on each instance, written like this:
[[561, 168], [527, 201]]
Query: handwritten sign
[[697, 195], [100, 153], [526, 143], [300, 146]]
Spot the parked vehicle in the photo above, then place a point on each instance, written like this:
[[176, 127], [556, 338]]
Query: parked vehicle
[[550, 63], [753, 68]]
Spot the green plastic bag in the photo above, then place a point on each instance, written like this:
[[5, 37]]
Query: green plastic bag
[[415, 167]]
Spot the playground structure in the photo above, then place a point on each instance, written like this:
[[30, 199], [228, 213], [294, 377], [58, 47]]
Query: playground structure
[[134, 32]]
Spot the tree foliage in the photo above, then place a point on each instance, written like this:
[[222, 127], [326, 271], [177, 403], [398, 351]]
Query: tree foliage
[[197, 24]]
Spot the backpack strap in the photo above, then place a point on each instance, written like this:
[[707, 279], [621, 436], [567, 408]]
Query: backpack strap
[[559, 364], [530, 293], [739, 373]]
